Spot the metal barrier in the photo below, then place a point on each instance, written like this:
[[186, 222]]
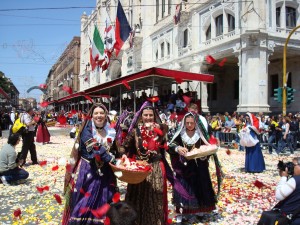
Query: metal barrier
[[228, 138], [263, 139]]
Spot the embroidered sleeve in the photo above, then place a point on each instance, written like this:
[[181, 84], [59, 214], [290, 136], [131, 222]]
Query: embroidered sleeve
[[89, 144], [174, 145], [285, 188]]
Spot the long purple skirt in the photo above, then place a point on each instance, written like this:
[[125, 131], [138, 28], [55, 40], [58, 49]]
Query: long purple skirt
[[100, 190]]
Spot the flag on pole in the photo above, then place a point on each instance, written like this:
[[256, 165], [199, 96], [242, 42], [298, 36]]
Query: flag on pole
[[109, 34], [96, 49], [177, 14], [122, 28]]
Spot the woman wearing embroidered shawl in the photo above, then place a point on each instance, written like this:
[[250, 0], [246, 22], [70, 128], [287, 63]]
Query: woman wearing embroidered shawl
[[96, 182], [146, 141], [193, 175], [254, 162]]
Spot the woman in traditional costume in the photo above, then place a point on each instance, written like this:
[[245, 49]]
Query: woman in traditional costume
[[42, 133], [254, 162], [196, 194], [96, 182], [146, 141]]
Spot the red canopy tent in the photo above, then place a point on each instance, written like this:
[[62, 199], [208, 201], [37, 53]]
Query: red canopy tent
[[141, 80], [147, 78]]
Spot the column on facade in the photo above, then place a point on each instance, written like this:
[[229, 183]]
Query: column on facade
[[253, 72], [196, 66]]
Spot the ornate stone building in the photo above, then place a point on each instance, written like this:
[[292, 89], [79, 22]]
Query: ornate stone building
[[246, 36], [64, 72]]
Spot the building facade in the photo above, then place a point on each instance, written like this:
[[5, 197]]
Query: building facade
[[64, 73], [246, 38]]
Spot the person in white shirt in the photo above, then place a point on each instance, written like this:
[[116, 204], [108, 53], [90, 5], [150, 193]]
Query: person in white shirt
[[28, 137], [288, 189], [12, 118]]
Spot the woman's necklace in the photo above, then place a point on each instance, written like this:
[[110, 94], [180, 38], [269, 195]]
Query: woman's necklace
[[99, 129]]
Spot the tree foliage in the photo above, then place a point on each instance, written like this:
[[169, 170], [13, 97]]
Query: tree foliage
[[5, 83]]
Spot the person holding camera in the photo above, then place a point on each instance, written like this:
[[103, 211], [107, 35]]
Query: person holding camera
[[288, 189], [9, 163], [28, 137]]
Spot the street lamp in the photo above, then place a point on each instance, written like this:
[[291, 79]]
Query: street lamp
[[284, 71]]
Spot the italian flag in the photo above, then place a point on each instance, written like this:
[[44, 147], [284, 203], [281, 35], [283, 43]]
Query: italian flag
[[96, 50]]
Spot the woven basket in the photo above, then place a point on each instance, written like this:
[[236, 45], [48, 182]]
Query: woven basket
[[132, 176], [202, 153]]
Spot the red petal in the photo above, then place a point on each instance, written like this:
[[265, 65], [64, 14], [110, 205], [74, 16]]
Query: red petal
[[222, 62], [40, 189], [109, 140], [98, 158], [169, 221], [46, 188], [88, 194], [212, 140], [43, 86], [210, 59], [43, 163], [57, 198], [96, 147], [145, 144], [69, 168], [89, 98], [186, 99], [125, 83], [101, 211], [83, 210], [153, 99], [178, 80], [116, 197], [67, 89], [112, 125], [228, 152], [82, 191], [73, 111], [44, 104], [62, 119], [258, 184], [166, 147], [106, 221], [158, 131], [54, 168], [87, 117], [17, 212]]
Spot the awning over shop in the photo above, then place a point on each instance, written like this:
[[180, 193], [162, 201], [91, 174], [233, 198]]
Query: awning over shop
[[69, 97], [4, 94], [147, 79]]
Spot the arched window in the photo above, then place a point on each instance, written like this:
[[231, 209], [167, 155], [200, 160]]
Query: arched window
[[162, 49], [208, 33], [168, 48], [290, 16], [231, 23], [219, 25], [185, 38]]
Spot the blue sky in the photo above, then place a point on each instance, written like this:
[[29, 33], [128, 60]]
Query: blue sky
[[32, 40]]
